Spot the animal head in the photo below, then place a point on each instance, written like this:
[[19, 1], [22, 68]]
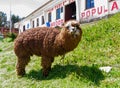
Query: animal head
[[73, 27]]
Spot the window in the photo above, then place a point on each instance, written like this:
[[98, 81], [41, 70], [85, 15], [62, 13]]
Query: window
[[61, 9], [49, 17], [43, 21], [110, 0], [89, 4], [24, 28], [58, 11], [37, 21], [58, 14], [33, 24], [28, 25]]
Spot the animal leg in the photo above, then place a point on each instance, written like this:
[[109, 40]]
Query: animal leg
[[46, 64], [52, 59], [21, 63]]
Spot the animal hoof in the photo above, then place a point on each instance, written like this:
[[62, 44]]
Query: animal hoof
[[20, 73], [45, 74]]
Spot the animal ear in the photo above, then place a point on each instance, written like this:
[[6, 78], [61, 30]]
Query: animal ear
[[63, 24]]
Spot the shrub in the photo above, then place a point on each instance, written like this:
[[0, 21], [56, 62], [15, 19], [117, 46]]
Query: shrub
[[0, 50], [12, 36]]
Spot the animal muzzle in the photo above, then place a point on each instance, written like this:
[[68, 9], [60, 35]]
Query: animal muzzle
[[75, 31]]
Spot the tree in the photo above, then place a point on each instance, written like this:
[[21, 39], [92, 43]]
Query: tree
[[15, 19], [3, 19]]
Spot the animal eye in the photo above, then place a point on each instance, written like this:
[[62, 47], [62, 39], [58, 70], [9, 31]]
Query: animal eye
[[67, 27], [77, 27]]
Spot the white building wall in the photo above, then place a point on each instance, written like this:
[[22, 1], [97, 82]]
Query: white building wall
[[114, 6], [101, 8], [52, 8]]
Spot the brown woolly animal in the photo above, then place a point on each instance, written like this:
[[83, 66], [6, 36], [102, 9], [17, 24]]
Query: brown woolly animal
[[47, 43]]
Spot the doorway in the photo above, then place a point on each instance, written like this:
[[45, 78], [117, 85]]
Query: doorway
[[70, 11], [24, 28]]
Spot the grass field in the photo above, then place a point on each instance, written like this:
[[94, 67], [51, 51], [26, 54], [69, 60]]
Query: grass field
[[100, 46]]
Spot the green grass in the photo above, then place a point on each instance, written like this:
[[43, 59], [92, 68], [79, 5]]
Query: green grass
[[100, 46]]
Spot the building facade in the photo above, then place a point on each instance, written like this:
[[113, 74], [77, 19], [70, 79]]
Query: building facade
[[56, 12]]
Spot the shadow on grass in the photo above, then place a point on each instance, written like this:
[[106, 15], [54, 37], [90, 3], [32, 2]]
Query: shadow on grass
[[91, 73]]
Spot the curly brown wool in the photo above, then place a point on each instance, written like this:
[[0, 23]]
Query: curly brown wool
[[47, 43]]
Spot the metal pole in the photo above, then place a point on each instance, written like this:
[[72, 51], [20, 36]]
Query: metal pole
[[10, 18], [77, 2]]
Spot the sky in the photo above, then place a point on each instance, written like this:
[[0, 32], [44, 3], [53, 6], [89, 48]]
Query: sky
[[22, 8]]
